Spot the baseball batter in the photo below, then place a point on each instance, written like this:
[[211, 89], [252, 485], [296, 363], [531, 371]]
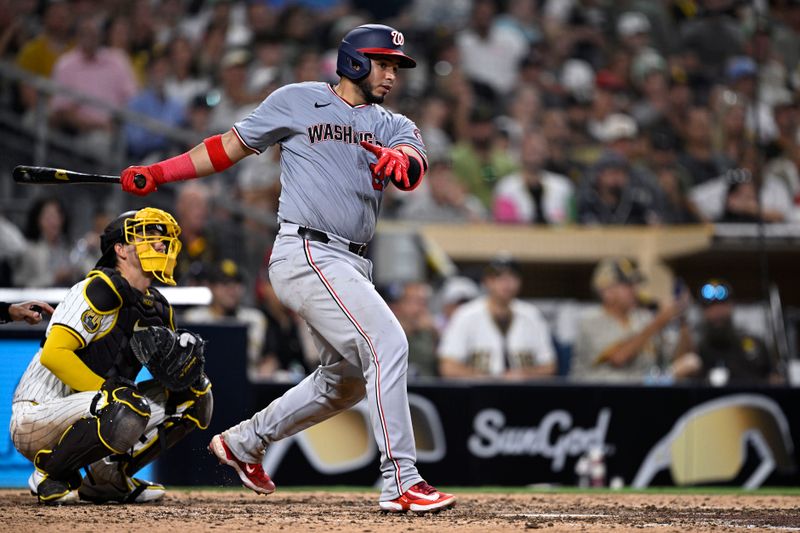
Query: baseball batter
[[339, 151], [76, 405]]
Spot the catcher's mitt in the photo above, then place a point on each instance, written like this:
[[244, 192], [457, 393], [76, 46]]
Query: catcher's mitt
[[174, 358]]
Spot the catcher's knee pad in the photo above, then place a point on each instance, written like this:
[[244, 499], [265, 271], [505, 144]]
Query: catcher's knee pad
[[122, 415], [181, 422]]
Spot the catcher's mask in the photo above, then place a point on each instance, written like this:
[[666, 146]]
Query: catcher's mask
[[143, 229]]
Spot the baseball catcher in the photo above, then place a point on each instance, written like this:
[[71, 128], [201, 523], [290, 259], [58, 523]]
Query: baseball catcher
[[77, 405]]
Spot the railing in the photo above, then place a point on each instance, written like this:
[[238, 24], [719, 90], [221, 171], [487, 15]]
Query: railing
[[177, 296], [44, 135], [46, 138]]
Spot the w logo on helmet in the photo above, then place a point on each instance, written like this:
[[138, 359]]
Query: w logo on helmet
[[397, 38]]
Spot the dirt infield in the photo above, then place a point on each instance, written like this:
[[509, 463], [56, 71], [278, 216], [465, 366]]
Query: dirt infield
[[356, 512]]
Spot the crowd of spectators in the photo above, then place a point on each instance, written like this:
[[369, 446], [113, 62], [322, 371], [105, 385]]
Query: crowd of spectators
[[486, 332], [537, 112]]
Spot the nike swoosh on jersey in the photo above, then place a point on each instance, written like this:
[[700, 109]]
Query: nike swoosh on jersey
[[318, 105], [137, 327]]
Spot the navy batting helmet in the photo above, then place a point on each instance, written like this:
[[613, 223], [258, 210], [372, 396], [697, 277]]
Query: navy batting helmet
[[369, 40]]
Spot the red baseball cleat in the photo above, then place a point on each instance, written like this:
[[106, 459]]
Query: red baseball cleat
[[252, 475], [420, 498]]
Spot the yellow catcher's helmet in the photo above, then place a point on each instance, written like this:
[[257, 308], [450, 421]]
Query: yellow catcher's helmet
[[144, 228]]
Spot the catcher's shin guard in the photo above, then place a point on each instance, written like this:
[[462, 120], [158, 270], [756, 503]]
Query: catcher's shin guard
[[196, 405], [120, 419]]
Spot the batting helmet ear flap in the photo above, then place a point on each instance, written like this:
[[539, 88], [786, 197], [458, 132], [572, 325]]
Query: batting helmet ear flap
[[351, 63]]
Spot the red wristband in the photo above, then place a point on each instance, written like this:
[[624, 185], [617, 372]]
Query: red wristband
[[216, 153], [177, 168]]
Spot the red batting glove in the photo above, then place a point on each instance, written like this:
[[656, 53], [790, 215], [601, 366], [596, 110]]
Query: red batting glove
[[391, 162], [153, 175]]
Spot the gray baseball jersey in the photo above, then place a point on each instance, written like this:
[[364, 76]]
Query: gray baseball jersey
[[363, 351], [325, 177]]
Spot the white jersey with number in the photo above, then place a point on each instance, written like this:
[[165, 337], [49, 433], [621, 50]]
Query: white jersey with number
[[473, 338]]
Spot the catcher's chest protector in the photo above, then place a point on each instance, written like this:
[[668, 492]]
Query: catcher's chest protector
[[110, 354]]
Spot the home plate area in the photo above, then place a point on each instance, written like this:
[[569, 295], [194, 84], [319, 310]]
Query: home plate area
[[290, 510]]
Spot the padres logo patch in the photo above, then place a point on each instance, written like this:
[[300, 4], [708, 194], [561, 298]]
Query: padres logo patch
[[90, 321]]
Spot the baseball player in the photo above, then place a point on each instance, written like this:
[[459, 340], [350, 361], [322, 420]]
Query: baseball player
[[497, 335], [339, 151], [77, 405], [30, 312]]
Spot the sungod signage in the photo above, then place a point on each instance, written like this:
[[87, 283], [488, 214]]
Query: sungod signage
[[554, 438]]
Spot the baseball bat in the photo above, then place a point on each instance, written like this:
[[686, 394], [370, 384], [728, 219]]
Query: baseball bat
[[58, 176]]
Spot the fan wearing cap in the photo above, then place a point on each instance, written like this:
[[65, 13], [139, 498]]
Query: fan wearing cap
[[235, 97], [619, 341], [497, 335], [616, 196], [77, 403], [455, 292], [729, 355], [227, 290], [633, 30]]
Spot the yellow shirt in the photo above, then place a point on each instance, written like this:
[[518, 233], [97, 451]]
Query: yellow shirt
[[39, 55]]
